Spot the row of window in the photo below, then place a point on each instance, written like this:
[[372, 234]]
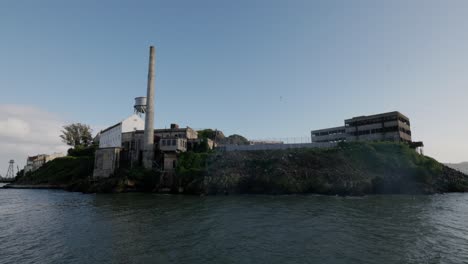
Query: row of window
[[172, 142], [380, 130], [330, 141], [378, 120], [327, 133], [171, 135], [408, 132], [132, 145]]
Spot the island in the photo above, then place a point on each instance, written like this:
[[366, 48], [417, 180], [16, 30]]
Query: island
[[358, 168]]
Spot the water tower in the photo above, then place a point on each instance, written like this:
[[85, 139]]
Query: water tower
[[140, 105], [11, 170]]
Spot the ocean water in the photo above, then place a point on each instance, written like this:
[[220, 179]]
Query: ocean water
[[51, 226]]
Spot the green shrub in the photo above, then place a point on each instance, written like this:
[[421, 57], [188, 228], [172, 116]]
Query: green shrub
[[81, 151]]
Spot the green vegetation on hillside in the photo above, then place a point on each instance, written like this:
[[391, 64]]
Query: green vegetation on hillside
[[349, 169], [214, 135], [191, 170], [77, 166], [236, 140], [219, 137], [74, 173], [60, 171]]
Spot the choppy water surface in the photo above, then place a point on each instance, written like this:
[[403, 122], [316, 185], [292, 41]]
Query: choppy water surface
[[44, 226]]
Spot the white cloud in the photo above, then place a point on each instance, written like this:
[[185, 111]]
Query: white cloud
[[27, 131], [14, 127]]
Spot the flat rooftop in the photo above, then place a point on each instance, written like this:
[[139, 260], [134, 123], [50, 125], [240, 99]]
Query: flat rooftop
[[357, 118]]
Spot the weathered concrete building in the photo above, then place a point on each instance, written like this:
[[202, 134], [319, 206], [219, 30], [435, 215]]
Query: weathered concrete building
[[134, 142], [106, 160], [391, 126], [107, 157], [168, 142], [35, 162], [129, 149]]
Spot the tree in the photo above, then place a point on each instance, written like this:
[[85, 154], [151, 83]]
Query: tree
[[77, 134], [236, 140]]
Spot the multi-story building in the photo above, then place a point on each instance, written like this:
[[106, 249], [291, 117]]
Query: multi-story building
[[391, 126], [35, 162]]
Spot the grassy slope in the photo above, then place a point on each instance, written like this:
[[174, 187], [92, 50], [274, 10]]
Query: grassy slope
[[73, 173], [60, 171], [359, 168]]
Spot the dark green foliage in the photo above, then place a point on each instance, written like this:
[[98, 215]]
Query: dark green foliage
[[201, 147], [73, 170], [207, 133], [60, 171], [20, 173], [219, 137], [80, 151], [191, 161], [214, 135], [144, 179], [190, 170], [77, 134], [236, 140], [350, 169]]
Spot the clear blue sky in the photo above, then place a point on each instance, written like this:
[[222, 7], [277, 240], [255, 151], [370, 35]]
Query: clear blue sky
[[263, 69]]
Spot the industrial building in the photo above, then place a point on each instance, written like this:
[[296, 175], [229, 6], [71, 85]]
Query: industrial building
[[127, 148], [135, 142], [391, 126], [111, 137]]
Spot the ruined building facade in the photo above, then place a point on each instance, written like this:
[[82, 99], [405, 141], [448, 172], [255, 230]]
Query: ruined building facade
[[391, 126], [128, 149]]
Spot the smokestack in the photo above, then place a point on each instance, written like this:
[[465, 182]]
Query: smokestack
[[148, 154]]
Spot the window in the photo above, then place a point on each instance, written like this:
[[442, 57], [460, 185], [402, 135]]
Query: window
[[173, 142]]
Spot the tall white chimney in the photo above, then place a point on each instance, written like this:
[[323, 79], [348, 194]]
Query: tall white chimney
[[148, 141]]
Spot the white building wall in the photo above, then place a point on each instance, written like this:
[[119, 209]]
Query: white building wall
[[54, 156], [133, 123], [111, 138]]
